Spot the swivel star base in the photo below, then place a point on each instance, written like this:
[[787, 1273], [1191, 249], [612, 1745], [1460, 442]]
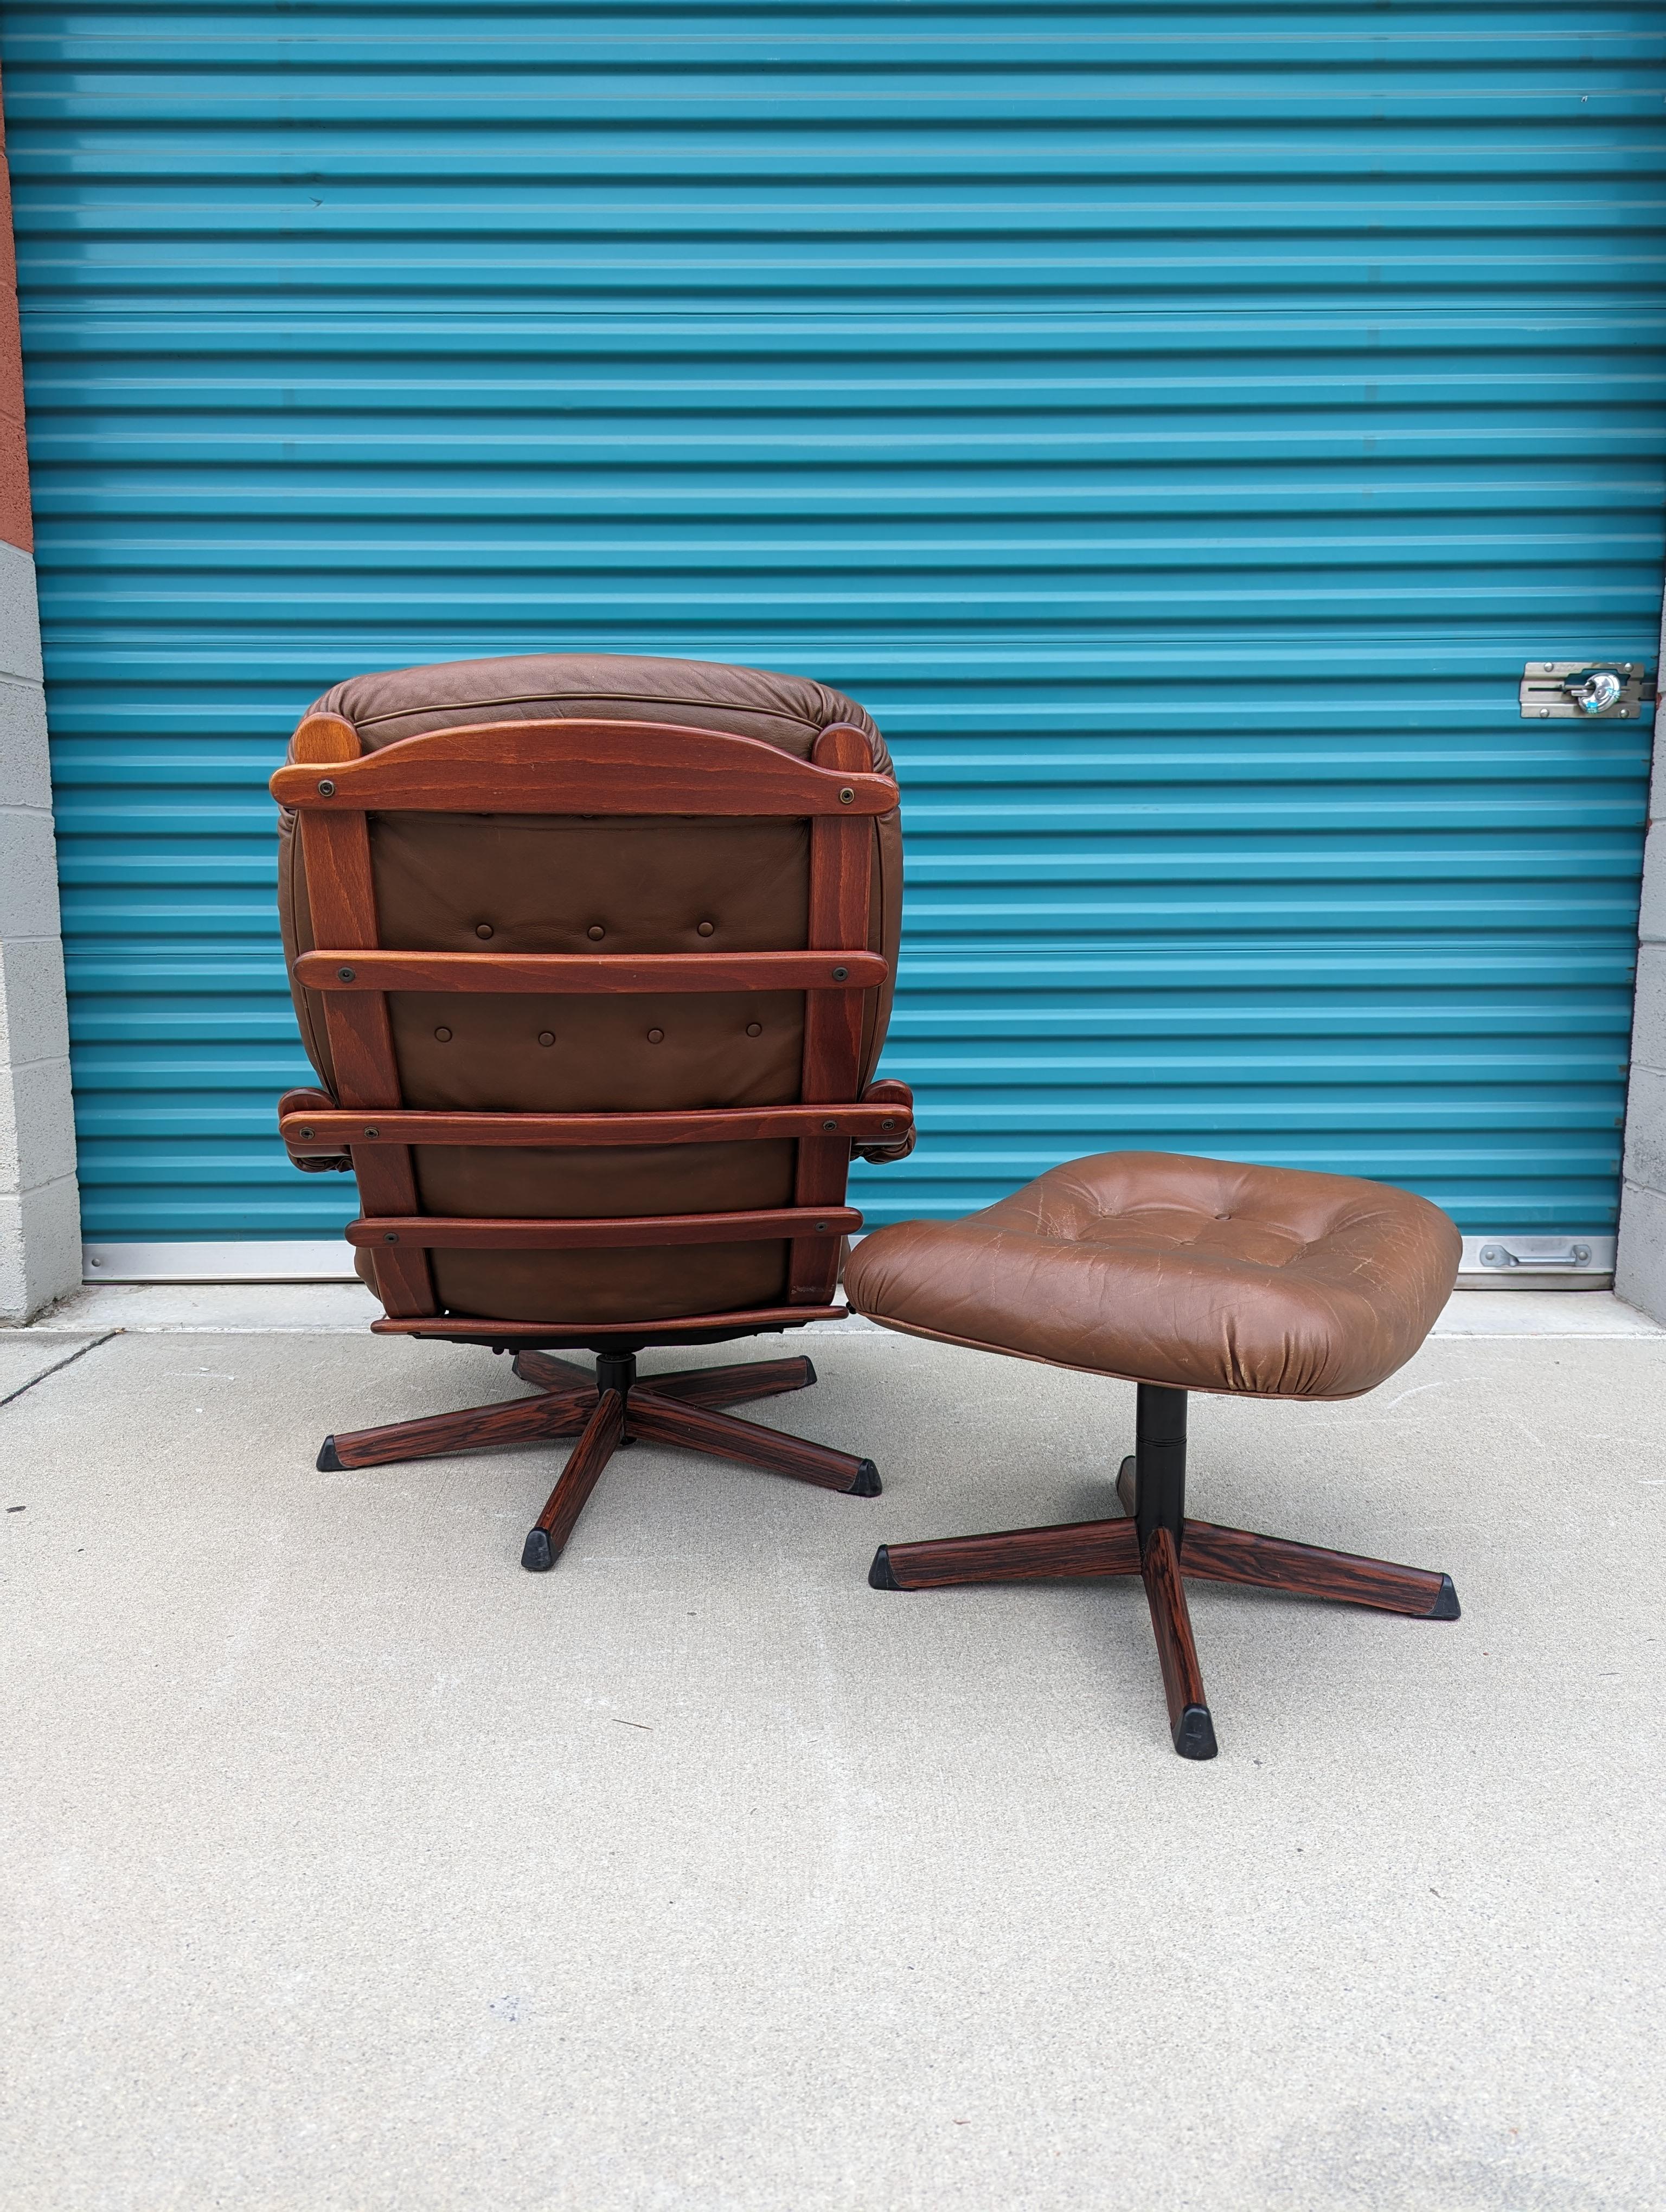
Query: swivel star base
[[605, 1411], [1157, 1543]]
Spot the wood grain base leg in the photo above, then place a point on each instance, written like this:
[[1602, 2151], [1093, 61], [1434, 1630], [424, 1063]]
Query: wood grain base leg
[[670, 1421], [733, 1386], [521, 1421], [547, 1538], [1234, 1555], [1009, 1555], [550, 1373], [1193, 1730], [1126, 1482]]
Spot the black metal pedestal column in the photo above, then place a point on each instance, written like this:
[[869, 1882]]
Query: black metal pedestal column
[[616, 1370], [1160, 1462]]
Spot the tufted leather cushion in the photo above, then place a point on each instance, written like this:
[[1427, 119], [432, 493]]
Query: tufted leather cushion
[[1201, 1273], [560, 884]]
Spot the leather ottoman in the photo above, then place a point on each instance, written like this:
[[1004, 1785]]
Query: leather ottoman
[[1178, 1274]]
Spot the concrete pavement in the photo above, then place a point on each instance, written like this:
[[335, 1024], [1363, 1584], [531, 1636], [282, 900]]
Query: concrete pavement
[[349, 1866]]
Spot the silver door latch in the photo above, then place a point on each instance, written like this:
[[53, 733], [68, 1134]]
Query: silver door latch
[[1568, 690], [1535, 1252]]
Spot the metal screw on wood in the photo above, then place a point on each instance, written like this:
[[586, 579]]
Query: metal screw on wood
[[391, 1238], [326, 789], [829, 1125], [372, 1133], [345, 974], [839, 975], [847, 796]]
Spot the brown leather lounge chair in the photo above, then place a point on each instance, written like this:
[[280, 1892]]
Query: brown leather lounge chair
[[593, 959], [1177, 1275]]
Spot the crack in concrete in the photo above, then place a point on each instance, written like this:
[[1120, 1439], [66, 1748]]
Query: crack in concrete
[[68, 1359]]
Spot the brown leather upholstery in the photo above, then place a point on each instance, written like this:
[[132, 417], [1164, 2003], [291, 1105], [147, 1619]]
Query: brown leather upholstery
[[1203, 1274], [549, 884]]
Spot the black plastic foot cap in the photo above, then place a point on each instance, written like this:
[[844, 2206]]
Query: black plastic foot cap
[[328, 1463], [866, 1484], [535, 1553], [1445, 1606], [1195, 1734], [879, 1575]]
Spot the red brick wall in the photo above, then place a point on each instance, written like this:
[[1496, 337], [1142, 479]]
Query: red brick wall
[[16, 527]]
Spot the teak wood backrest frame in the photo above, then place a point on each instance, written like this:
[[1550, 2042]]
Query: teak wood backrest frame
[[568, 768]]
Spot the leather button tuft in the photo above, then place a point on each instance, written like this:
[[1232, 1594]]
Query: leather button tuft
[[707, 927], [656, 1036], [546, 1037], [483, 929], [444, 1035], [595, 930], [755, 1029]]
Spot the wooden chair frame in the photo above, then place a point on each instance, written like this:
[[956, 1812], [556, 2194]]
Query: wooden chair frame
[[591, 767]]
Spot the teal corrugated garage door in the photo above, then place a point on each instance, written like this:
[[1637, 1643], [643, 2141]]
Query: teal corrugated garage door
[[1180, 427]]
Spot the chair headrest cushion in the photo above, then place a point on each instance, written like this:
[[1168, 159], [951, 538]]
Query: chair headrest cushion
[[789, 711]]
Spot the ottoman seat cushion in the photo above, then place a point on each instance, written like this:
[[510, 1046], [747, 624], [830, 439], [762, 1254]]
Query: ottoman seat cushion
[[1200, 1274]]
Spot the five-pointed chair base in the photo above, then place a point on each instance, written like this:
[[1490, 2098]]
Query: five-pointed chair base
[[608, 1409], [1157, 1543]]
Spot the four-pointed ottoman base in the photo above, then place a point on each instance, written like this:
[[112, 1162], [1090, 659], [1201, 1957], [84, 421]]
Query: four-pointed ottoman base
[[608, 1409], [1157, 1543]]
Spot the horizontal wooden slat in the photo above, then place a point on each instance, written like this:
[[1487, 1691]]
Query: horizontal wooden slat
[[585, 768], [330, 1131], [569, 973], [465, 1233], [749, 1322]]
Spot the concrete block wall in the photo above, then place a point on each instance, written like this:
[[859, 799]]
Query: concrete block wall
[[40, 1204], [1639, 1274]]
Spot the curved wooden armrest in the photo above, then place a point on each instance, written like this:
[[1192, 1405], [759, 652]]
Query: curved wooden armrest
[[321, 1159], [881, 1152]]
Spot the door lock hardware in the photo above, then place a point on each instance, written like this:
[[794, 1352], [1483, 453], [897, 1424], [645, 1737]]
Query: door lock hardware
[[1537, 1252], [1571, 691]]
